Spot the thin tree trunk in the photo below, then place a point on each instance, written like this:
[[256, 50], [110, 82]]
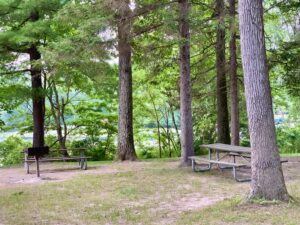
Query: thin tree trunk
[[157, 124], [167, 131], [222, 107], [175, 125], [159, 138], [235, 121], [267, 177], [60, 113], [126, 149], [187, 148], [57, 110]]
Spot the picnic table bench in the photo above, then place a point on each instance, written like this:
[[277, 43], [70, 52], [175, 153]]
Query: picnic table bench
[[44, 154], [226, 161]]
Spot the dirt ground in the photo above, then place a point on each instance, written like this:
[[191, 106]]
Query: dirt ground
[[55, 172]]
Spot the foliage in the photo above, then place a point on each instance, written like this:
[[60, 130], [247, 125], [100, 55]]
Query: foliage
[[10, 150], [288, 138]]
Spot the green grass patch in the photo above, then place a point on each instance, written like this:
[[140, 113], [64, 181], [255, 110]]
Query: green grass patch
[[150, 192]]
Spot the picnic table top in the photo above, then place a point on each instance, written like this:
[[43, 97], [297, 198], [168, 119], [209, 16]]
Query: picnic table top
[[228, 148]]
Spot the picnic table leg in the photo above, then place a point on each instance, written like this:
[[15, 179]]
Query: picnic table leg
[[234, 171], [83, 161], [26, 164], [37, 166], [193, 165], [218, 159], [85, 164], [209, 157]]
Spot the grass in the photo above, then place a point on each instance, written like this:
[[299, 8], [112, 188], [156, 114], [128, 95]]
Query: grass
[[236, 211], [151, 192], [290, 154]]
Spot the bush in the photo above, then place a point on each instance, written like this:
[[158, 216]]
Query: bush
[[288, 139], [96, 149], [10, 150]]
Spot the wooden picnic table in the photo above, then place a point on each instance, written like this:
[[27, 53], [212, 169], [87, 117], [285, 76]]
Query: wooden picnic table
[[48, 156], [225, 158]]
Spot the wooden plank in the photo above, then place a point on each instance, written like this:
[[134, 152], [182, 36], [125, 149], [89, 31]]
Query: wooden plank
[[68, 149], [228, 148], [195, 158], [245, 155], [56, 159]]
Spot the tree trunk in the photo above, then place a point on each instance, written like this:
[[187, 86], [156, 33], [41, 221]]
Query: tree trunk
[[222, 107], [159, 139], [38, 100], [126, 149], [175, 125], [187, 148], [267, 178], [235, 121], [157, 124], [57, 109], [168, 133]]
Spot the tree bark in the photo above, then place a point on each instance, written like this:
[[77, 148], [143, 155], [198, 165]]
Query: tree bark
[[234, 93], [187, 148], [267, 177], [38, 99], [175, 125], [222, 106], [126, 150], [157, 124], [57, 110], [168, 132]]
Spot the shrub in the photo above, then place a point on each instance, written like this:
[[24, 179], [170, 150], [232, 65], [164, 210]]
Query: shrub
[[10, 150], [288, 139], [97, 149]]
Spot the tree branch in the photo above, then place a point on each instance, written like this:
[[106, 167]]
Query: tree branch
[[16, 71]]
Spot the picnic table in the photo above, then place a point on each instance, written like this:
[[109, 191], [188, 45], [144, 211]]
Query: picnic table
[[44, 154], [226, 157]]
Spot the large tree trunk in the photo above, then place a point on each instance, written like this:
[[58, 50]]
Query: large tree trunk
[[267, 178], [38, 100], [126, 149], [235, 121], [186, 122], [222, 107]]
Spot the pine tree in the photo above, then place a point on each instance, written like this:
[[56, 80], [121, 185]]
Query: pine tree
[[25, 27]]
